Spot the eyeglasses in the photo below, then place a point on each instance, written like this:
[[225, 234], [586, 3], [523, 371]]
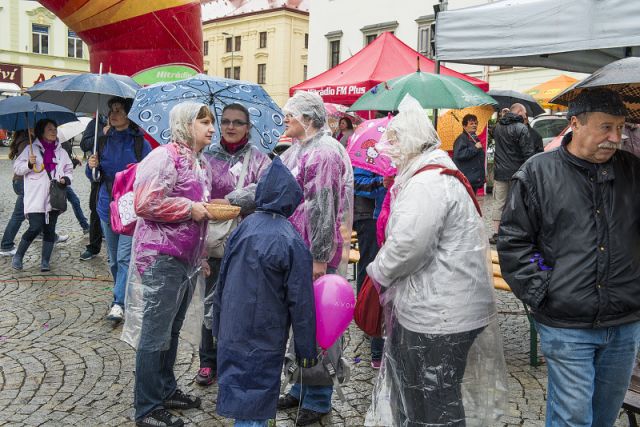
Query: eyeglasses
[[236, 123]]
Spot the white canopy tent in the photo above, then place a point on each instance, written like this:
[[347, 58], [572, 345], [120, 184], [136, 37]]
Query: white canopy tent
[[572, 35]]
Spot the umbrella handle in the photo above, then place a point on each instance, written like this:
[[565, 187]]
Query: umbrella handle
[[34, 167], [95, 173]]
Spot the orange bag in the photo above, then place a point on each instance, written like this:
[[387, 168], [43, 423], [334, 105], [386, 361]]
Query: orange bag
[[368, 311]]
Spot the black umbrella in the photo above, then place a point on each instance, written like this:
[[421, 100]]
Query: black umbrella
[[506, 98], [622, 76]]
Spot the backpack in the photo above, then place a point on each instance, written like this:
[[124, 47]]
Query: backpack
[[122, 211]]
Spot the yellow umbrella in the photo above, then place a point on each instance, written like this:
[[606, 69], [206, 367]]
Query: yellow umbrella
[[450, 123], [544, 92]]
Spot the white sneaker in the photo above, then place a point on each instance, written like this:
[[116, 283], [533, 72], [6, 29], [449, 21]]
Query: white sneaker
[[10, 252], [61, 238], [116, 314]]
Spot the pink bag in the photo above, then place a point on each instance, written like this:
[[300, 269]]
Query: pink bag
[[122, 210]]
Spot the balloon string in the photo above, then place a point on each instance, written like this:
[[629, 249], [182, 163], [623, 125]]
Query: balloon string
[[174, 39]]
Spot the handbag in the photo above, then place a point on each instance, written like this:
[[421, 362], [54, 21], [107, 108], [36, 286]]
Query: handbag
[[368, 312], [57, 194], [219, 230]]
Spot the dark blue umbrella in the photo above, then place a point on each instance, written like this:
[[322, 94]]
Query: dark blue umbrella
[[20, 112], [84, 92], [152, 105]]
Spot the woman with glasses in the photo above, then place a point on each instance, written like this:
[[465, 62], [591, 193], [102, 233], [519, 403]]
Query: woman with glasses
[[237, 166]]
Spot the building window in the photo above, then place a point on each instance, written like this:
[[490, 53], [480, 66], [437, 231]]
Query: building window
[[335, 53], [263, 40], [304, 72], [371, 32], [205, 48], [236, 73], [227, 72], [370, 38], [238, 43], [306, 40], [229, 44], [40, 39], [74, 45], [426, 35], [262, 74]]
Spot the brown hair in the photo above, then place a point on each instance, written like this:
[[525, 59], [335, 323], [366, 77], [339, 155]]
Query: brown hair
[[205, 112]]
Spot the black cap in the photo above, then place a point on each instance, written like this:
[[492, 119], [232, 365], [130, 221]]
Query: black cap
[[597, 101]]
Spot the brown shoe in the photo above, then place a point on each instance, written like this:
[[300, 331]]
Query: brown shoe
[[307, 416]]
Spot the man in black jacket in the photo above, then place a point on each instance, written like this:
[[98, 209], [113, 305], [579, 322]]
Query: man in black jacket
[[569, 247], [513, 147]]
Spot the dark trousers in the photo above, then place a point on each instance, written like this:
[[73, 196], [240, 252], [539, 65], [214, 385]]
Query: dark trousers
[[95, 229], [17, 217], [37, 225], [427, 373], [208, 350], [368, 247]]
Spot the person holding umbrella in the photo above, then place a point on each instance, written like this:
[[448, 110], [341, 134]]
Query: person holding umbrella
[[43, 161], [231, 186], [122, 145], [468, 153]]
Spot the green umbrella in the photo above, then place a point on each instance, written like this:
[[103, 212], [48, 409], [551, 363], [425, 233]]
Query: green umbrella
[[431, 90]]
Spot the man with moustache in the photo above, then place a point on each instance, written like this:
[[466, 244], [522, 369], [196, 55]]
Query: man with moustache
[[569, 245]]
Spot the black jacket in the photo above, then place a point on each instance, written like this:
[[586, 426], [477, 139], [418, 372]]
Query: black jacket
[[513, 146], [584, 221], [469, 159]]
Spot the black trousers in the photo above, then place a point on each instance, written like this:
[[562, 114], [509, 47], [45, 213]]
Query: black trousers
[[426, 376], [207, 350], [37, 225], [367, 245], [95, 230]]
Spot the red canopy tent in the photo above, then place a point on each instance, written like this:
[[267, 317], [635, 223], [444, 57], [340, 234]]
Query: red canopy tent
[[385, 58]]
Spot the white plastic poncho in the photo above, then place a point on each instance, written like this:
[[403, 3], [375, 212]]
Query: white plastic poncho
[[168, 246], [443, 362], [322, 167]]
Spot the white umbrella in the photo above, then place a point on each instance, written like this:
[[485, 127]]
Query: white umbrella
[[71, 129]]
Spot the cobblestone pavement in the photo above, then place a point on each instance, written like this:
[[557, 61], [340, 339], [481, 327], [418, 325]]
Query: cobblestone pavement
[[61, 363]]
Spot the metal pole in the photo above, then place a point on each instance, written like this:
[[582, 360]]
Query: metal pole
[[441, 8]]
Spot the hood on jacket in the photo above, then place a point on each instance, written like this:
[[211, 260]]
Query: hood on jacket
[[278, 191], [511, 118]]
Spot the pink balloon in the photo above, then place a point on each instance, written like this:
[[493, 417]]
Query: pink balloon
[[335, 302]]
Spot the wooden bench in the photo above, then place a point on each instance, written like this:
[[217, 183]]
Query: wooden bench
[[631, 404], [500, 284]]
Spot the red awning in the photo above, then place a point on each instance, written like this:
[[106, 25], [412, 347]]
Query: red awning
[[385, 58]]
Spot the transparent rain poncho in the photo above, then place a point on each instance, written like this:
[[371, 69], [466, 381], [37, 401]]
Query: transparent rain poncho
[[322, 167], [227, 168], [443, 363], [168, 246]]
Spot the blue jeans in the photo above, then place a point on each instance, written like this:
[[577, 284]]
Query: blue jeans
[[119, 251], [589, 372], [314, 397], [251, 423], [17, 218], [77, 208], [155, 380]]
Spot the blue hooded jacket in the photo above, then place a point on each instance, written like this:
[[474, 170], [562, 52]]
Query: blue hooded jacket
[[265, 287]]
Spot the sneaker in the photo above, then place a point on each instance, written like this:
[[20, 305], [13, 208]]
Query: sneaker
[[493, 239], [206, 376], [87, 255], [61, 238], [181, 400], [287, 401], [160, 418], [8, 252], [116, 314], [375, 364]]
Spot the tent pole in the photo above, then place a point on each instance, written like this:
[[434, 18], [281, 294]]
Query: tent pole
[[440, 7]]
